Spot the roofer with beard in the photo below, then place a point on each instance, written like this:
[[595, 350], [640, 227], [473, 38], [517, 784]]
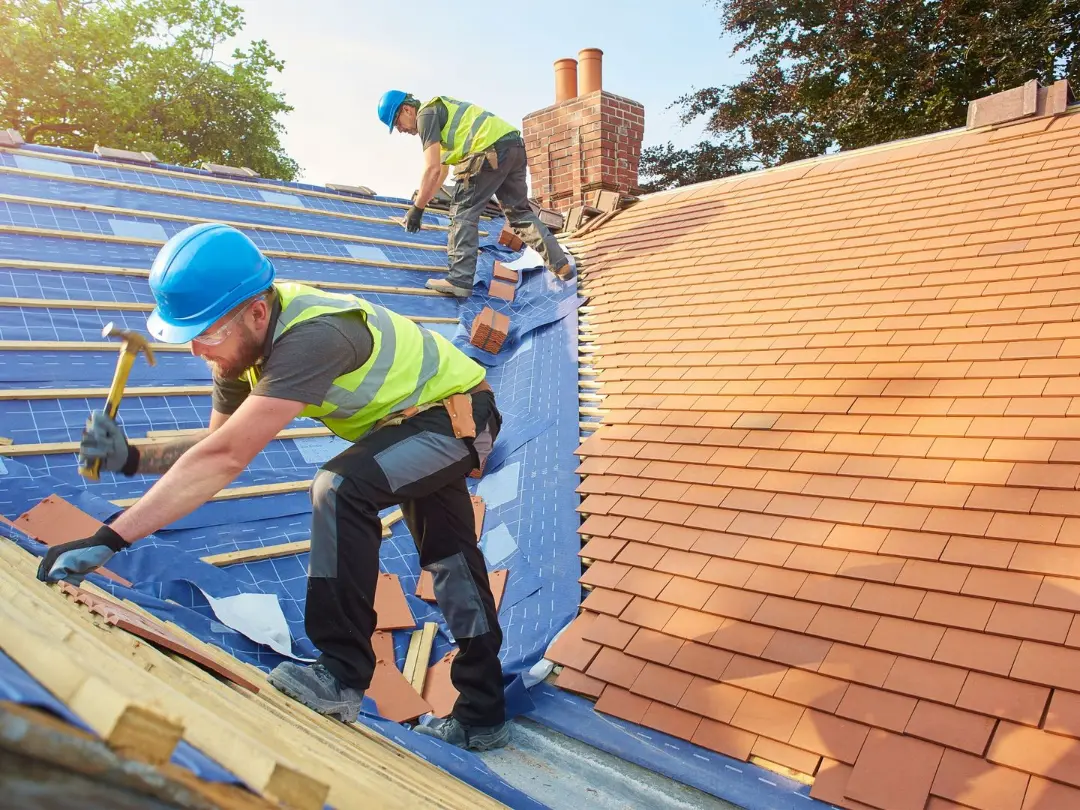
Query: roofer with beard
[[280, 350]]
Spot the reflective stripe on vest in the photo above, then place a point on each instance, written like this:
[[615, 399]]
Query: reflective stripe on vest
[[468, 129], [409, 365]]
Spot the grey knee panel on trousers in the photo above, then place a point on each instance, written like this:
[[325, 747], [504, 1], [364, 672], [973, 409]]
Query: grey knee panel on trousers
[[324, 533], [458, 597], [418, 457]]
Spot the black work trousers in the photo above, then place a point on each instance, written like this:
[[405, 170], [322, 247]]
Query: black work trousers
[[508, 184], [421, 466]]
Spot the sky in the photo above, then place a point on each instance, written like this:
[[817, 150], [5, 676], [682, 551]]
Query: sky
[[341, 55]]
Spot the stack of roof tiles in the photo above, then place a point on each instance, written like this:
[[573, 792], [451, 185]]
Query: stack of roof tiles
[[833, 518], [489, 330]]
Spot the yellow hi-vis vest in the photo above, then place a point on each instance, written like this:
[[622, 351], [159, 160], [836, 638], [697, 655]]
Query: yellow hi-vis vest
[[409, 365], [468, 129]]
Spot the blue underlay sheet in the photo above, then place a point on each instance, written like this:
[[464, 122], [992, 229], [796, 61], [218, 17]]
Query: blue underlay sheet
[[530, 526]]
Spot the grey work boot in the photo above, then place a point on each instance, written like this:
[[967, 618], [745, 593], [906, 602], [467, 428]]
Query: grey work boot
[[475, 738], [317, 688], [441, 285]]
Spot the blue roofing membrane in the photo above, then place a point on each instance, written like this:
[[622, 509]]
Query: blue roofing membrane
[[69, 231]]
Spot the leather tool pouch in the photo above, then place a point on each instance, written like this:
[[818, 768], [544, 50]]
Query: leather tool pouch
[[459, 406]]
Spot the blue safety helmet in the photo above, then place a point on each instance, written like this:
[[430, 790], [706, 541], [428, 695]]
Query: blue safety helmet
[[389, 105], [199, 275]]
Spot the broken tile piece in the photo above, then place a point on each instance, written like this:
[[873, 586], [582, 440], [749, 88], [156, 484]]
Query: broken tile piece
[[391, 606]]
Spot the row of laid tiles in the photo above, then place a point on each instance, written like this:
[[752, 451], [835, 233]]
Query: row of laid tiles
[[894, 510], [950, 779], [812, 713], [738, 555], [955, 206], [963, 569], [818, 287], [774, 424], [691, 579], [823, 296], [817, 713], [953, 217], [979, 633], [845, 472], [944, 459]]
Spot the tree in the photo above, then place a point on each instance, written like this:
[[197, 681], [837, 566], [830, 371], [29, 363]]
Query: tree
[[842, 74], [141, 75]]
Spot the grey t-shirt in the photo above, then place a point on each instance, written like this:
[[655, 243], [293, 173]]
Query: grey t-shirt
[[303, 363], [429, 123]]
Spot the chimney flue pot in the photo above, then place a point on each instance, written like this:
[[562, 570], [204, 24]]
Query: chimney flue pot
[[565, 80], [590, 77]]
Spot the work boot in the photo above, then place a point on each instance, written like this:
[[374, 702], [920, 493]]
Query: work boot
[[317, 688], [564, 271], [441, 285], [475, 738]]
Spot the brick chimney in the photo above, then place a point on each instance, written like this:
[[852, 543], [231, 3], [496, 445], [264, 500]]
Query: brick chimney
[[588, 140]]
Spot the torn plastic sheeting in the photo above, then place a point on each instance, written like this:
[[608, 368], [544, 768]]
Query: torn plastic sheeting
[[742, 784], [502, 486], [18, 687]]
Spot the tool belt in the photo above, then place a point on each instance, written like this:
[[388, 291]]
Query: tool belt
[[458, 406], [472, 164]]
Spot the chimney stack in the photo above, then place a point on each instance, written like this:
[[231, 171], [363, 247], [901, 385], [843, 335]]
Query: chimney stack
[[566, 80], [588, 140]]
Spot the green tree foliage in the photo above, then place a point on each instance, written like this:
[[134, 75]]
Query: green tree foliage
[[842, 74], [141, 75]]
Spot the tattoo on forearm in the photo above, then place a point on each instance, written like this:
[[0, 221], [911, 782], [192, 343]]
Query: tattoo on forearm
[[158, 458]]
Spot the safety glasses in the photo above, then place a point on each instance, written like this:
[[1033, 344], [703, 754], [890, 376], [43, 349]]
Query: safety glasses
[[219, 335]]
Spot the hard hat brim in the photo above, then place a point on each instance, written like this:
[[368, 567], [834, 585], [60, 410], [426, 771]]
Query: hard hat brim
[[167, 332]]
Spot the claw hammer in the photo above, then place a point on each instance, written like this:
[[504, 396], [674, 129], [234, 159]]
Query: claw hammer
[[131, 343]]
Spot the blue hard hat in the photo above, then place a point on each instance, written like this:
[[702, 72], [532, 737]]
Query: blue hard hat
[[389, 105], [199, 275]]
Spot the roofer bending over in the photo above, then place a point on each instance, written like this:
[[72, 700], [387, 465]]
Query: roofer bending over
[[488, 156], [281, 350]]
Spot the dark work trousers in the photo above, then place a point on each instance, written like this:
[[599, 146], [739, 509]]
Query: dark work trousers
[[421, 466], [507, 183]]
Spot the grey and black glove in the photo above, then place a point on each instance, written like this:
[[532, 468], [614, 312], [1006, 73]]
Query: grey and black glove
[[71, 562], [413, 218], [104, 440]]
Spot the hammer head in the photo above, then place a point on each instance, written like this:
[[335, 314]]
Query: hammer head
[[131, 342]]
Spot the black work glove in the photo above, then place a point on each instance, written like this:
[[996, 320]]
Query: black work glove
[[412, 219], [71, 562], [105, 440]]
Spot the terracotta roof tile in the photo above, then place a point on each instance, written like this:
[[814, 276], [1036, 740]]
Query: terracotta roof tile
[[622, 704], [711, 699], [661, 683], [570, 649], [829, 736], [724, 739], [974, 782], [857, 664], [841, 624], [876, 707], [574, 681], [763, 715], [786, 755], [1045, 795], [894, 771], [736, 636], [1047, 664], [1036, 752], [811, 690], [609, 631], [796, 649], [646, 613], [601, 600], [612, 666], [906, 637]]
